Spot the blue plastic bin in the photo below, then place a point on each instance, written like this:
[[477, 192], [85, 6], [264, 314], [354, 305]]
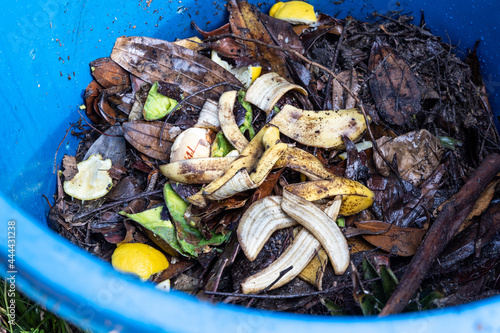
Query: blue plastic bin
[[45, 48]]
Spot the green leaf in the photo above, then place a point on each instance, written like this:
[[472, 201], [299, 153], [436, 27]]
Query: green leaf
[[370, 273], [427, 302], [449, 142], [151, 220], [335, 310], [190, 238], [369, 304], [221, 147], [157, 106], [247, 125], [389, 281]]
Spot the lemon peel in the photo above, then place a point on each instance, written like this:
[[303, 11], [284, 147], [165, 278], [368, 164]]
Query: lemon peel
[[294, 12], [246, 75], [139, 259], [92, 180]]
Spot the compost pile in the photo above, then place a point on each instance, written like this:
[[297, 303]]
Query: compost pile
[[331, 167]]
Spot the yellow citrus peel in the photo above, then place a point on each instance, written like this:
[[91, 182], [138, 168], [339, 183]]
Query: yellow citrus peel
[[139, 259]]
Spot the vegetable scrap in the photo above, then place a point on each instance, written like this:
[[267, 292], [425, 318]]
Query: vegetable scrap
[[290, 162]]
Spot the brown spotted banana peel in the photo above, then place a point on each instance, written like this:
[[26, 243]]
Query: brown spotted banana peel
[[249, 159], [259, 221], [355, 196], [305, 163], [297, 256], [196, 170], [322, 226], [228, 122], [323, 129], [267, 89], [243, 181]]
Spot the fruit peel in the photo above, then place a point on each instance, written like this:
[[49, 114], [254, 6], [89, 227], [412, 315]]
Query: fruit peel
[[92, 180]]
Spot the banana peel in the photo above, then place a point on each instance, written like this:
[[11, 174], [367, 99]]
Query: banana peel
[[303, 162], [322, 129], [243, 165], [228, 122], [267, 89], [259, 222], [196, 170], [355, 196], [306, 244], [322, 226]]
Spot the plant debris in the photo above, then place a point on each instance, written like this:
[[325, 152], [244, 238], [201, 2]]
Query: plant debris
[[357, 174]]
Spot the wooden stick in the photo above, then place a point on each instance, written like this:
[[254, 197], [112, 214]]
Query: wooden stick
[[441, 232]]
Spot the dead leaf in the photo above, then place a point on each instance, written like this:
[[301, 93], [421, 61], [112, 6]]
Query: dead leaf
[[228, 47], [394, 87], [244, 21], [358, 244], [480, 206], [340, 97], [126, 188], [282, 33], [157, 60], [418, 154], [107, 111], [110, 145], [91, 93], [176, 267], [108, 74], [145, 137], [396, 240], [69, 165], [326, 24], [419, 206]]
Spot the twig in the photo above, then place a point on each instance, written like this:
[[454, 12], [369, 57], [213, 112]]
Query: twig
[[334, 63], [441, 232], [93, 127], [113, 204], [313, 293], [57, 150]]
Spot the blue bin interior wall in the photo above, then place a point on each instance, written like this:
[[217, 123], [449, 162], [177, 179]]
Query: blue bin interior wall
[[45, 48]]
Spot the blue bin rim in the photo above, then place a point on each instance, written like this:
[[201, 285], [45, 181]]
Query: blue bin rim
[[104, 306], [119, 302]]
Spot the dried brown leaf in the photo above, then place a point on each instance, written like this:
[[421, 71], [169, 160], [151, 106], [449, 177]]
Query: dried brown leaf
[[108, 73], [399, 241], [481, 204], [340, 97], [228, 47], [418, 154], [394, 86], [69, 165], [245, 22], [145, 137], [157, 60], [91, 93]]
